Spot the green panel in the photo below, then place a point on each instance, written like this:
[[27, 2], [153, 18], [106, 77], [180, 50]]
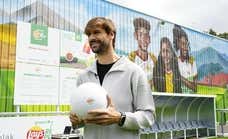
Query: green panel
[[6, 90], [3, 78], [221, 100], [219, 105], [37, 108], [39, 34], [65, 108], [226, 102], [10, 91]]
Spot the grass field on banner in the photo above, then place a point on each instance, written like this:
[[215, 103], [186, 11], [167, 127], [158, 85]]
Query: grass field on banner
[[6, 90], [210, 90]]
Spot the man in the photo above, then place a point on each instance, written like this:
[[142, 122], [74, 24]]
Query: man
[[141, 56], [130, 103]]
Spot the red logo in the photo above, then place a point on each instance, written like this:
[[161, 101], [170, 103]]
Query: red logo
[[35, 132], [90, 101]]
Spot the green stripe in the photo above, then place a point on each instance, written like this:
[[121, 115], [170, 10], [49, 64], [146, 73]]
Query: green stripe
[[3, 85], [10, 92]]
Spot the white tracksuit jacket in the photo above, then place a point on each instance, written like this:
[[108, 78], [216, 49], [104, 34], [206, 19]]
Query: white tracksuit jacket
[[127, 85]]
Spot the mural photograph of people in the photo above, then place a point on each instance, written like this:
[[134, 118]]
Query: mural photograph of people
[[186, 62], [166, 75], [142, 56]]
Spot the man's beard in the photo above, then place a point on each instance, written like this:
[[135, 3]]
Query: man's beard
[[99, 47]]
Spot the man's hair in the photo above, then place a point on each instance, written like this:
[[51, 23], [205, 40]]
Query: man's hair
[[141, 23], [101, 22]]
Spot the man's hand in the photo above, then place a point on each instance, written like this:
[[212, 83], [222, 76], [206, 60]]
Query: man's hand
[[75, 120], [104, 116]]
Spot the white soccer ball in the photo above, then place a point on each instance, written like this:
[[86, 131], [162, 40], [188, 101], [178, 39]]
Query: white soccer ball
[[86, 97]]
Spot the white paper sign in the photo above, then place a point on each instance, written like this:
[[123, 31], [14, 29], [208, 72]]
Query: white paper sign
[[36, 84], [37, 44]]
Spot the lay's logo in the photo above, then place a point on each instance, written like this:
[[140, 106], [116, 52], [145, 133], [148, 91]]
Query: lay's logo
[[35, 132]]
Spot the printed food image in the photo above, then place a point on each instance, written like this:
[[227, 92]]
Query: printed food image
[[69, 57]]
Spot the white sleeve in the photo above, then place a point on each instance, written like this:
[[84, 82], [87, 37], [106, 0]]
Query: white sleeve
[[139, 119], [144, 110]]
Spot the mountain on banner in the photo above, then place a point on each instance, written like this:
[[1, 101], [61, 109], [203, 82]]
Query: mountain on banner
[[210, 62], [225, 56]]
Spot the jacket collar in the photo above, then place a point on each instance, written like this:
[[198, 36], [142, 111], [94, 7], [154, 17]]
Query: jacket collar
[[118, 66]]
